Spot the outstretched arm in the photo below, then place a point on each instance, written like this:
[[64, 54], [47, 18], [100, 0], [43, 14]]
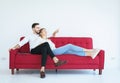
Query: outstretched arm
[[21, 43], [55, 32], [15, 47]]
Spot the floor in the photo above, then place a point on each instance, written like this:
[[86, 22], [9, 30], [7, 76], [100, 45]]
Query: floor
[[111, 74]]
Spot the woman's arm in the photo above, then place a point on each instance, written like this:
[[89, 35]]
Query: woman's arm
[[55, 32]]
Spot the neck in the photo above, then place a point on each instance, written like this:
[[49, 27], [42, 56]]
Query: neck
[[44, 37], [34, 32]]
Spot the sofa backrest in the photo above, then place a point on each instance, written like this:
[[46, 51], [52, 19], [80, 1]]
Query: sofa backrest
[[25, 48], [85, 42]]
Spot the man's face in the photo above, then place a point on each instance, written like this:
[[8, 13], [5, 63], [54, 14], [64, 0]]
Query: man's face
[[36, 29]]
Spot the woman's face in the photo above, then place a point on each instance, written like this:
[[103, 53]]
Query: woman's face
[[43, 32]]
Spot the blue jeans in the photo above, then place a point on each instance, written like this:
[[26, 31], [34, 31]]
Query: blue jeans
[[69, 49]]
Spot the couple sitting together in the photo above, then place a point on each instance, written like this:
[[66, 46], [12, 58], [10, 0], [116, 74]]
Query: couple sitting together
[[40, 44]]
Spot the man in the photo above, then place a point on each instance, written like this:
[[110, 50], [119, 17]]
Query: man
[[39, 46]]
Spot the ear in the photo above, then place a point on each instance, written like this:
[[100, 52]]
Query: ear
[[33, 29]]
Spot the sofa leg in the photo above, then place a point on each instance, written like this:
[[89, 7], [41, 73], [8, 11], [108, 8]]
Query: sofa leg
[[100, 71], [12, 71], [56, 70]]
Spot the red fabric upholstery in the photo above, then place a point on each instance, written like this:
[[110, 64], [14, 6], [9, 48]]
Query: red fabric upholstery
[[23, 59], [25, 48]]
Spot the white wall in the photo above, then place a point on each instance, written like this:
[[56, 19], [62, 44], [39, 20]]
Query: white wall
[[99, 19]]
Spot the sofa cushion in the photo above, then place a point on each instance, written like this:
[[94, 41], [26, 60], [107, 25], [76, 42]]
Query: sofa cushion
[[85, 42], [78, 60], [25, 48], [27, 58]]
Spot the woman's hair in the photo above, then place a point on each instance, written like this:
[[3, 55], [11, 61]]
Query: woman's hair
[[41, 30]]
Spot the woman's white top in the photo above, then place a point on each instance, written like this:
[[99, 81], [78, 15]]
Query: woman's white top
[[52, 45]]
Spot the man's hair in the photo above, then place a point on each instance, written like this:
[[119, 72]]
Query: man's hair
[[34, 24]]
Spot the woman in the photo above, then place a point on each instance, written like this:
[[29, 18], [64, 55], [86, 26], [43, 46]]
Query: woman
[[69, 48]]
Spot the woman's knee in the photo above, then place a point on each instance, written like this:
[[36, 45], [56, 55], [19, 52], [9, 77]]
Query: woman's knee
[[69, 45]]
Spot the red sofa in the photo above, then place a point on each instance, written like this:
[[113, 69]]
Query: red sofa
[[23, 59]]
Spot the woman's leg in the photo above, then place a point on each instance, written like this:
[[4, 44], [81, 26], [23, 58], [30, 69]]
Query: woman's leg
[[73, 49], [69, 49], [61, 50]]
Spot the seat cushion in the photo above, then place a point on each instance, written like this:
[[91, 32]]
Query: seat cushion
[[27, 58], [79, 60]]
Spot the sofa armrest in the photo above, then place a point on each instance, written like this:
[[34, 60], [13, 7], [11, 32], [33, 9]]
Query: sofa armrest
[[12, 54], [101, 59]]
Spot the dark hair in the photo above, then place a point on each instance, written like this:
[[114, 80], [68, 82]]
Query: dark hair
[[34, 24]]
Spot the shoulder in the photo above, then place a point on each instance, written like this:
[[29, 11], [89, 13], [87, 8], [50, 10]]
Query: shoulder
[[48, 40], [28, 36], [32, 35]]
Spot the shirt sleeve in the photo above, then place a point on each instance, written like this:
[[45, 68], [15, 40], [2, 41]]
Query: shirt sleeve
[[24, 41]]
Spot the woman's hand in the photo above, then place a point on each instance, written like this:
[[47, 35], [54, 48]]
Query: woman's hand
[[55, 32]]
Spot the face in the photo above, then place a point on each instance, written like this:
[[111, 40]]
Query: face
[[43, 32], [36, 29]]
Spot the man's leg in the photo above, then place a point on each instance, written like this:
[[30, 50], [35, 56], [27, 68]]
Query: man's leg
[[49, 51], [44, 49], [41, 49], [77, 50], [55, 59]]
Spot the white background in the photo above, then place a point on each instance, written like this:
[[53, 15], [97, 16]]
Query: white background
[[99, 19]]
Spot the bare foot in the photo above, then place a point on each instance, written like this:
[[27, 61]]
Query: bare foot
[[95, 53]]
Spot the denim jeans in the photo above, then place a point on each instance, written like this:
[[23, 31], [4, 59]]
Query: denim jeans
[[69, 49]]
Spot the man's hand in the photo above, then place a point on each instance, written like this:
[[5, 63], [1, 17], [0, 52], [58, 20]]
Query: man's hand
[[11, 48], [15, 47], [55, 32]]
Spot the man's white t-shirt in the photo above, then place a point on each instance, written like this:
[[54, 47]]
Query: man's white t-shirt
[[33, 39]]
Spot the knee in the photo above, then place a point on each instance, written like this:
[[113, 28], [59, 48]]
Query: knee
[[46, 44], [69, 45]]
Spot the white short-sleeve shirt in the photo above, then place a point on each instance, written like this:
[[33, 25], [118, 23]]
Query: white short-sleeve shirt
[[33, 39]]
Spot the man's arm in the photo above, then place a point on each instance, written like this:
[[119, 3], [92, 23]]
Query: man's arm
[[16, 47], [55, 32], [21, 43]]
